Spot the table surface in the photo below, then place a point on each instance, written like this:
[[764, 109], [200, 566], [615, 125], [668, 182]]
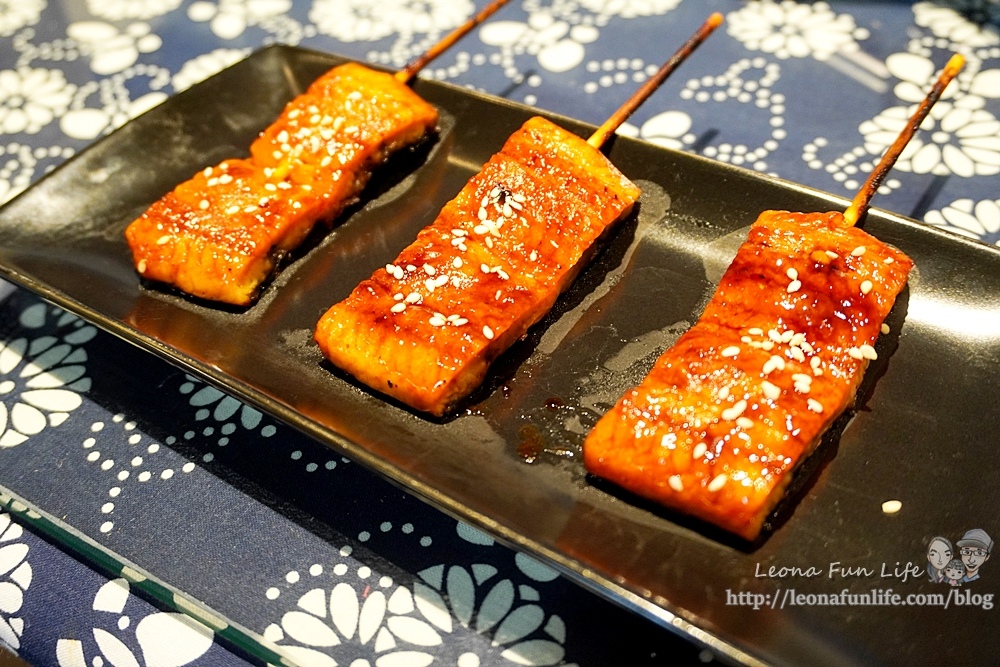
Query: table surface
[[317, 555]]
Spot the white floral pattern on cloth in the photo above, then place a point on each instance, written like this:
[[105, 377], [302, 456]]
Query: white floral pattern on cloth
[[131, 459], [124, 10], [795, 30], [42, 378], [366, 619], [160, 639], [962, 22], [15, 578], [223, 408], [112, 50], [976, 220], [31, 98], [17, 14], [230, 18], [959, 136]]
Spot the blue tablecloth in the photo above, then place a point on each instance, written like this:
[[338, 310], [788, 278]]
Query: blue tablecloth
[[138, 492]]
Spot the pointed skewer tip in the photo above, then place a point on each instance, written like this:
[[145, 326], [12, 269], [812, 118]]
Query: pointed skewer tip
[[859, 206]]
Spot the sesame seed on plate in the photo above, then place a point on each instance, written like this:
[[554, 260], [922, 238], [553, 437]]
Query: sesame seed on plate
[[885, 328], [141, 266], [891, 506]]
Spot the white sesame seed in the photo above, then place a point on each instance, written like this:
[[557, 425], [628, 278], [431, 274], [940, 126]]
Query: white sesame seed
[[516, 205], [398, 307], [814, 362], [429, 284], [225, 178], [325, 162], [717, 483], [801, 377], [262, 201], [459, 232], [460, 321], [488, 332], [495, 192], [457, 262], [802, 387], [250, 209], [868, 352], [891, 506], [203, 205], [354, 96], [731, 351], [797, 354], [482, 214], [767, 345], [699, 450], [675, 483], [398, 296], [410, 268], [888, 260], [207, 172], [831, 254], [141, 266], [773, 392], [413, 297], [794, 286], [755, 331], [860, 250], [792, 274], [885, 328], [817, 372], [723, 393], [441, 280], [163, 239], [518, 197], [855, 353], [774, 363], [774, 335], [732, 413], [744, 422], [866, 286], [398, 273], [507, 210], [481, 229], [429, 270], [390, 268], [807, 348], [232, 209], [815, 405], [436, 321], [212, 182], [489, 242], [497, 295], [797, 339], [787, 335], [484, 268], [533, 256]]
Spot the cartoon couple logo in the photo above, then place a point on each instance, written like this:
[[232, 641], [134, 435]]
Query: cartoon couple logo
[[973, 550]]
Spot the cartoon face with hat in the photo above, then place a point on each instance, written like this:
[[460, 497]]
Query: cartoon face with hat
[[974, 548]]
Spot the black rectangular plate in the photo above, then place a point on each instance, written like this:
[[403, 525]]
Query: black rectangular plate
[[923, 432]]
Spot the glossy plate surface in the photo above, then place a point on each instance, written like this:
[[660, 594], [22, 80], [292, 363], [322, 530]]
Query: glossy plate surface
[[509, 461]]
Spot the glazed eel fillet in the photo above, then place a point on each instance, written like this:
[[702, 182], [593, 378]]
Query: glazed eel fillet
[[425, 328], [724, 417], [221, 234]]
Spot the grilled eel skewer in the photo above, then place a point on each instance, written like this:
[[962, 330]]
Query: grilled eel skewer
[[719, 424]]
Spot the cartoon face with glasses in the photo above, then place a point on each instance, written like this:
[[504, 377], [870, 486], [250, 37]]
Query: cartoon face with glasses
[[974, 548]]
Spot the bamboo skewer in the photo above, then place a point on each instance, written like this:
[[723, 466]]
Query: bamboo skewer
[[859, 206], [604, 132], [407, 73]]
